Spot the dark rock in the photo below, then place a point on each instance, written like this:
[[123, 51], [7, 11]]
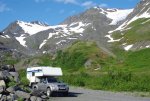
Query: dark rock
[[7, 75], [15, 75]]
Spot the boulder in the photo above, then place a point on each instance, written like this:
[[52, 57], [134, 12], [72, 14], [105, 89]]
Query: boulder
[[13, 97], [39, 99], [1, 89], [10, 89], [7, 74], [1, 75], [88, 64], [33, 98], [15, 75], [0, 96], [2, 83], [3, 98], [22, 94]]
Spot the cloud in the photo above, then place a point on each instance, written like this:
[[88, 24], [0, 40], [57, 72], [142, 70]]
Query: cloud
[[68, 1], [3, 7], [88, 4]]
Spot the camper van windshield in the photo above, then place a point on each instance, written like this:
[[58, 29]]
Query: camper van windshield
[[51, 80]]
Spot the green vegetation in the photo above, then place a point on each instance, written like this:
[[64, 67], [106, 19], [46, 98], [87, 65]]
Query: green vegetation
[[138, 31], [7, 58], [75, 57], [22, 76], [130, 71]]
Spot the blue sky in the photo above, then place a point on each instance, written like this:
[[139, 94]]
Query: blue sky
[[52, 11]]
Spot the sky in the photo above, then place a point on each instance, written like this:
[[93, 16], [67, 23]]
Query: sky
[[52, 12]]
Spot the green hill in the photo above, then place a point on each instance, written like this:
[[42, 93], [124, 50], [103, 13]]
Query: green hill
[[129, 71]]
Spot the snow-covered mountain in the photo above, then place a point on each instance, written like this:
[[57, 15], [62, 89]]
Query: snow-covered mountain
[[137, 22], [95, 24]]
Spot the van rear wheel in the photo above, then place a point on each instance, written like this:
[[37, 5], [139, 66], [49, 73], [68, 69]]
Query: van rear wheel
[[48, 92]]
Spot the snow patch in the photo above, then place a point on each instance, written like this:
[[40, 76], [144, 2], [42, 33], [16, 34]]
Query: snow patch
[[72, 38], [111, 39], [148, 46], [21, 40], [144, 15], [118, 15], [5, 36], [128, 47], [43, 43], [77, 29], [145, 21], [60, 42], [30, 28]]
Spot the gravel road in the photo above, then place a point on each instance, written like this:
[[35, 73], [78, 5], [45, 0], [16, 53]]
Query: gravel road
[[81, 94]]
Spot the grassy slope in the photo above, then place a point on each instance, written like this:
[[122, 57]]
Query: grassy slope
[[139, 31], [130, 71], [75, 56]]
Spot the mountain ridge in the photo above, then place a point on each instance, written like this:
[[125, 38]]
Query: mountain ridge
[[95, 24]]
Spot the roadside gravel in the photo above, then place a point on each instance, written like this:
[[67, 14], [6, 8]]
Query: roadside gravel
[[81, 94]]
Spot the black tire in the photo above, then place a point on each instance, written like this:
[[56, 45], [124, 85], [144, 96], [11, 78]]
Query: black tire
[[48, 92]]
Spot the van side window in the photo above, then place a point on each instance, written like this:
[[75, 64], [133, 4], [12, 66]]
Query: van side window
[[33, 73]]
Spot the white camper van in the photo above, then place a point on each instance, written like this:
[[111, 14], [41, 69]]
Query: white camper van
[[44, 79]]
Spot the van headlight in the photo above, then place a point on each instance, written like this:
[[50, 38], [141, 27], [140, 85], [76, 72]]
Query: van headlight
[[54, 87]]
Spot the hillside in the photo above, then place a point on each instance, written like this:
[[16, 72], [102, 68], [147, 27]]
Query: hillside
[[129, 71], [136, 35]]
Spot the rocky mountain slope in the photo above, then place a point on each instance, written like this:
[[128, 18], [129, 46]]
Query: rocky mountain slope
[[96, 24], [134, 33]]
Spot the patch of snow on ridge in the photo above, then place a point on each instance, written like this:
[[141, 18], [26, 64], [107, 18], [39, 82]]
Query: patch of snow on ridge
[[31, 28], [128, 47], [148, 46], [77, 29], [144, 15], [42, 44], [21, 40], [72, 38], [145, 21], [6, 36], [115, 14], [111, 39], [118, 15], [60, 42]]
